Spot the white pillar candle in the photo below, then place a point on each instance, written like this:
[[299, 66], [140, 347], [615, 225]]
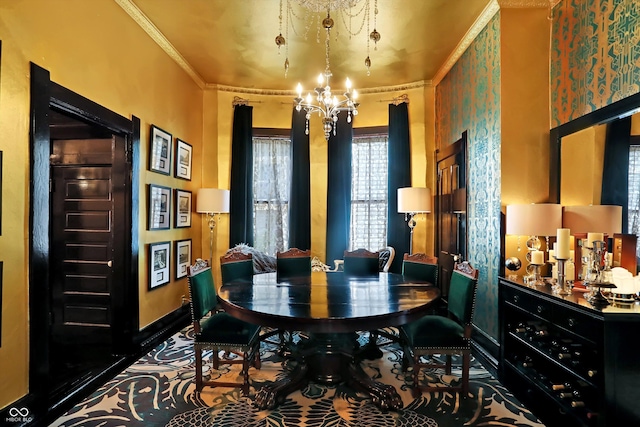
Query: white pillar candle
[[552, 255], [610, 259], [562, 243], [572, 255], [537, 257], [593, 237], [569, 271], [554, 271]]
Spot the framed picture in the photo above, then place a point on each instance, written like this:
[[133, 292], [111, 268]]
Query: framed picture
[[184, 154], [160, 151], [159, 256], [159, 208], [183, 257], [182, 209]]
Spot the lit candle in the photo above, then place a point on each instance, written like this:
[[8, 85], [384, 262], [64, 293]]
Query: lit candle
[[562, 243], [320, 80], [348, 84], [537, 257], [355, 94], [299, 89], [593, 237]]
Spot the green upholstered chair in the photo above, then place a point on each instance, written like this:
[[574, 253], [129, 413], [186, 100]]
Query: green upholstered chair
[[361, 262], [219, 331], [293, 263], [420, 267], [443, 335], [236, 265]]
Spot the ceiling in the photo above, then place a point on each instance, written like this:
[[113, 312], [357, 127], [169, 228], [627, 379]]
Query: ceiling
[[232, 43]]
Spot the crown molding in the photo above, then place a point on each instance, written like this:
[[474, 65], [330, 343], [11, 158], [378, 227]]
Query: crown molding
[[528, 4], [143, 21], [489, 11], [270, 92]]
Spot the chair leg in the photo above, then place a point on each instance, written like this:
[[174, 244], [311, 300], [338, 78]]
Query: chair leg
[[466, 362], [215, 359], [447, 368], [415, 389], [245, 374], [198, 369]]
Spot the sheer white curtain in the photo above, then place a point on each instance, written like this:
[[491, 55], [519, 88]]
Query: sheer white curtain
[[271, 186], [369, 193], [634, 193]]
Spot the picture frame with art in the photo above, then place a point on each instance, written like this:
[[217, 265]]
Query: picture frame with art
[[184, 156], [159, 207], [160, 149], [159, 264], [182, 208], [182, 257]]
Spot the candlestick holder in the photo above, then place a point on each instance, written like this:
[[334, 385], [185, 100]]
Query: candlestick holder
[[564, 287], [534, 278]]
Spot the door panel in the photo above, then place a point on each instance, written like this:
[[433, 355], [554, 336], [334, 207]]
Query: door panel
[[82, 243], [451, 208]]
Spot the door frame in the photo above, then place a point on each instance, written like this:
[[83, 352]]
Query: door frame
[[45, 95]]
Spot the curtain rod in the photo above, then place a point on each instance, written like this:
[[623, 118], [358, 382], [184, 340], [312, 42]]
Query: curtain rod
[[241, 101], [398, 99]]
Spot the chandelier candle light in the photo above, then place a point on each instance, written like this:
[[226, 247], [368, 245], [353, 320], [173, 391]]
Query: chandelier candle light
[[328, 105]]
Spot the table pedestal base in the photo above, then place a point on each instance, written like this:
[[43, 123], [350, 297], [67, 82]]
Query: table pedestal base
[[329, 359]]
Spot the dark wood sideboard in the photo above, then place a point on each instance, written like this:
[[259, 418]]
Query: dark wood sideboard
[[569, 363]]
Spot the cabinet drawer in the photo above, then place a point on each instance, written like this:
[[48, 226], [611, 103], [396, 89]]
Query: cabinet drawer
[[581, 324], [529, 303]]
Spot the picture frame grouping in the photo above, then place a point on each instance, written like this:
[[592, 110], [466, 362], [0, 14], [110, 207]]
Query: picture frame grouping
[[161, 148], [160, 260]]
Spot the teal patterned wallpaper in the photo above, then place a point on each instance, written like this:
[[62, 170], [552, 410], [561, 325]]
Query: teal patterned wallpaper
[[468, 98], [595, 56]]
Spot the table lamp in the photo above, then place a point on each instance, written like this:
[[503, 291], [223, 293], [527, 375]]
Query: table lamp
[[411, 201], [212, 202]]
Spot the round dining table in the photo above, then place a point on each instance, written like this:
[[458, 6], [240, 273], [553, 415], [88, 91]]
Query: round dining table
[[329, 308]]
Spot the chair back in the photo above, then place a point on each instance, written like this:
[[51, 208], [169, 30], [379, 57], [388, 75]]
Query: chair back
[[462, 292], [202, 291], [293, 263], [236, 265], [386, 256], [361, 262], [420, 266]]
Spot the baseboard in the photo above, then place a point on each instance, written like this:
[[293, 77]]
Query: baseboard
[[162, 328], [485, 349]]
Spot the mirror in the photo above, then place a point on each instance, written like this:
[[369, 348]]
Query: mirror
[[576, 153]]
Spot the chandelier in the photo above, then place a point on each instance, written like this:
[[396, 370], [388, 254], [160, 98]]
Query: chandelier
[[328, 105]]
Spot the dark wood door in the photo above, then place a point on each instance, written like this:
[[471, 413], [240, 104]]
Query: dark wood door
[[84, 244], [451, 209]]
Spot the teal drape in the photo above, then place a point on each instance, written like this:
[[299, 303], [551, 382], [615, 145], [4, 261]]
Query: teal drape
[[300, 198], [615, 175], [399, 176], [241, 197], [339, 189]]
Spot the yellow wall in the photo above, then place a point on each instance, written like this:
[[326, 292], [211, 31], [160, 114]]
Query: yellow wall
[[274, 111], [581, 166], [524, 53], [95, 49]]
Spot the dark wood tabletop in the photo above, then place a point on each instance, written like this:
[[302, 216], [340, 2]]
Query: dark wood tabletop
[[328, 302]]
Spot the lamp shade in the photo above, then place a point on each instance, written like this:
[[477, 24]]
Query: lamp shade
[[534, 219], [212, 200], [605, 219], [414, 200]]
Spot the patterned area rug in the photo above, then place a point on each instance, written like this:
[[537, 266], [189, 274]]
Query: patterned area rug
[[159, 390]]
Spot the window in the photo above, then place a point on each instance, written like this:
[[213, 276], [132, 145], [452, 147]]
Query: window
[[369, 192], [271, 184]]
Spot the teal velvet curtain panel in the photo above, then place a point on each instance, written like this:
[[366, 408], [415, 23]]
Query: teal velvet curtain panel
[[399, 176], [300, 198], [339, 189], [615, 175], [241, 197]]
